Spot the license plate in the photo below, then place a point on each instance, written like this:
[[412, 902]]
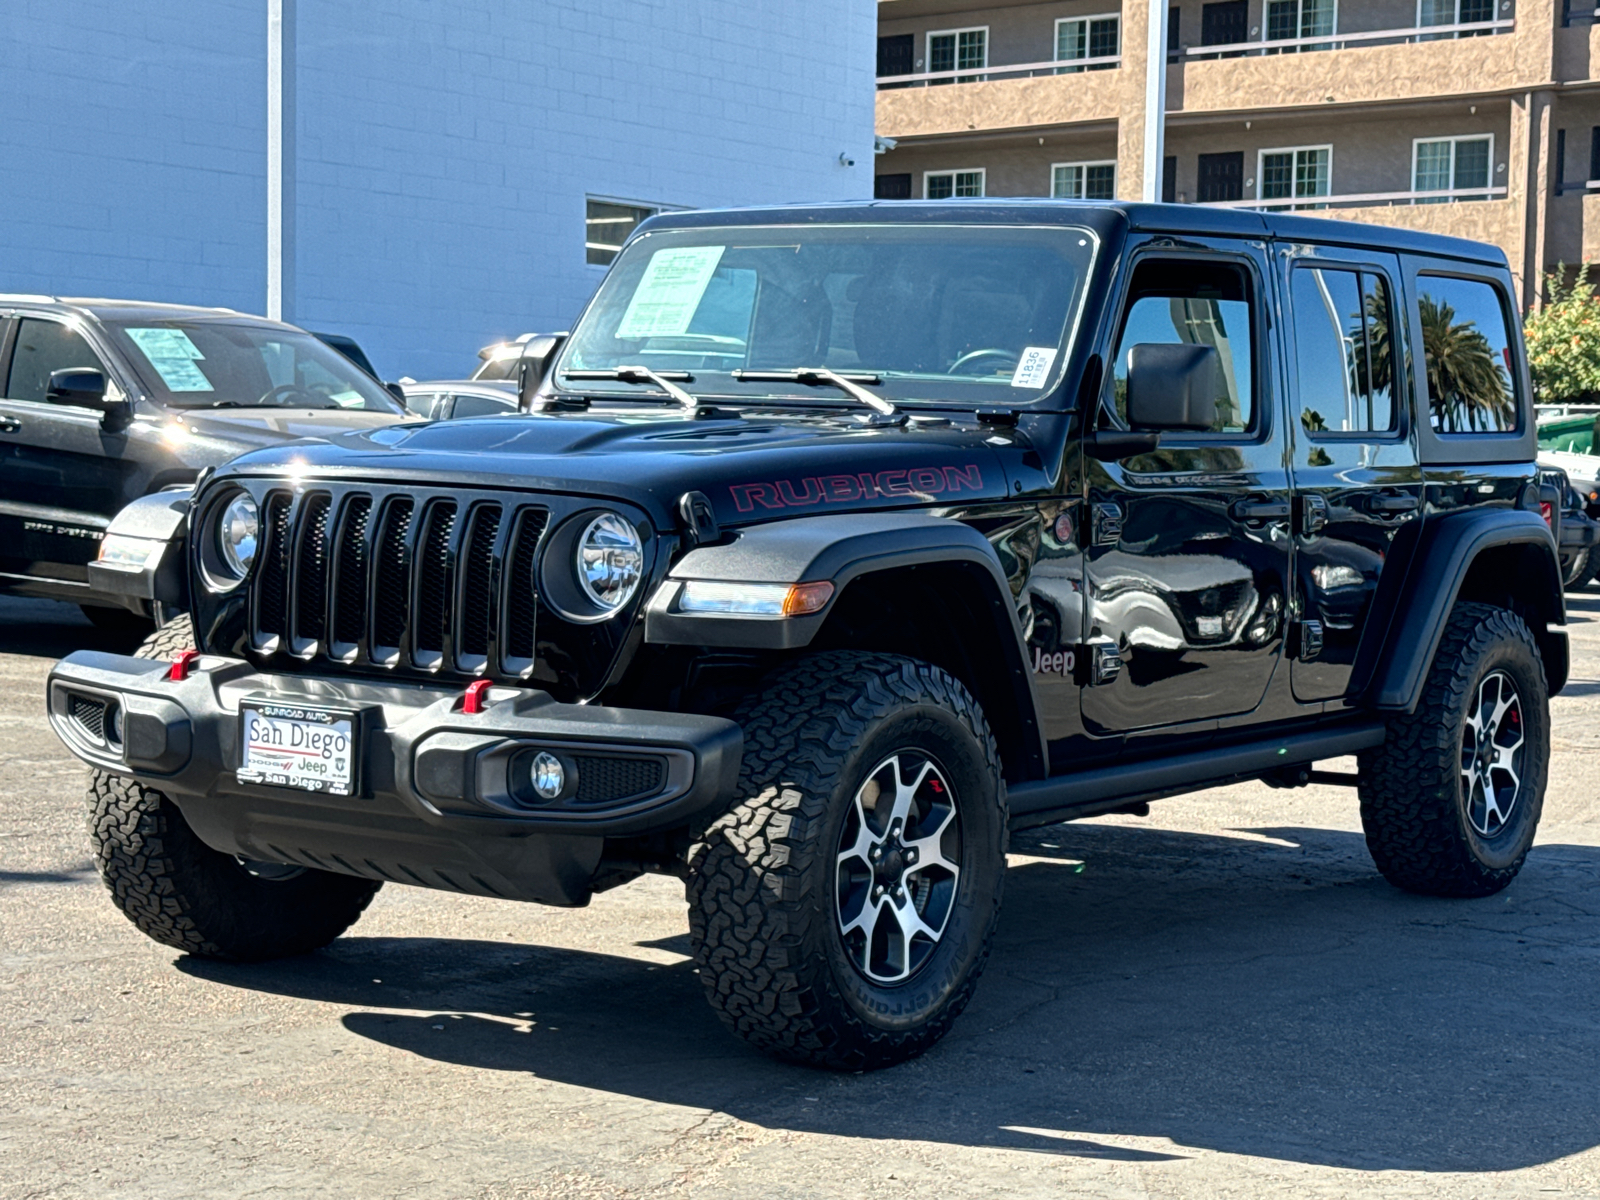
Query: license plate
[[290, 745]]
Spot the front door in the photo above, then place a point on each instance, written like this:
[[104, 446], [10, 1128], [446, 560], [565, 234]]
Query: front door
[[1188, 547], [896, 56], [1221, 177], [63, 475], [1357, 481], [1226, 23]]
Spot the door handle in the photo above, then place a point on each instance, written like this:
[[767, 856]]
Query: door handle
[[10, 425], [1390, 505], [1259, 509]]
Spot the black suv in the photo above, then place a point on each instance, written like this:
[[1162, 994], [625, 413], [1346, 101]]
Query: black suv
[[106, 402], [841, 542]]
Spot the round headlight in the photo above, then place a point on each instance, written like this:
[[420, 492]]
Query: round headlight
[[237, 535], [610, 561]]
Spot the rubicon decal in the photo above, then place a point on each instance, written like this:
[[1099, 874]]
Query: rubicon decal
[[916, 483]]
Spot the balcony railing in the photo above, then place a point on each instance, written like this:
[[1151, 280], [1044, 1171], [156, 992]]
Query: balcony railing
[[1365, 199], [1322, 41], [1339, 41], [1056, 66]]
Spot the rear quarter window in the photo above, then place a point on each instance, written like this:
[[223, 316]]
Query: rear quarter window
[[1466, 342]]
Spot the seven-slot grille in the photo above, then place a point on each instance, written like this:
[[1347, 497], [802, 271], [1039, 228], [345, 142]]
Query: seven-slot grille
[[439, 582]]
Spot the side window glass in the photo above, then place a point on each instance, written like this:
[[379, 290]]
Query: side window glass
[[1207, 304], [472, 405], [43, 347], [424, 404], [1466, 342], [1344, 353]]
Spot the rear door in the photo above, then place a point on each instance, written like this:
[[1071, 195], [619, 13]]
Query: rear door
[[1357, 479], [1188, 547]]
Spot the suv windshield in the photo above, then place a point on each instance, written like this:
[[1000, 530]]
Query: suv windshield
[[963, 314], [216, 364]]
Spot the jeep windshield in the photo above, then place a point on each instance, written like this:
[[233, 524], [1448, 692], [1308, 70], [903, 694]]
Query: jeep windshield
[[203, 363], [968, 315]]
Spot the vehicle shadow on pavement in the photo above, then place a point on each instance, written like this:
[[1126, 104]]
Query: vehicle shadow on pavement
[[51, 629], [1261, 992]]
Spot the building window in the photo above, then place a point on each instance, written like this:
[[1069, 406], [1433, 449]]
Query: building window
[[1454, 12], [1084, 181], [942, 185], [958, 50], [1288, 19], [607, 224], [1451, 164], [1088, 37], [1294, 173]]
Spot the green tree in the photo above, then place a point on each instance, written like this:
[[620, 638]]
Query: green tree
[[1466, 386], [1564, 339]]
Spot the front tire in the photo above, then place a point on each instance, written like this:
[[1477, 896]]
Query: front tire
[[180, 892], [842, 912], [1451, 801], [1578, 569]]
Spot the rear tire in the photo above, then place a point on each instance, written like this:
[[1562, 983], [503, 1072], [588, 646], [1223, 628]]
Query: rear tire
[[1451, 800], [1578, 569], [832, 928], [182, 893]]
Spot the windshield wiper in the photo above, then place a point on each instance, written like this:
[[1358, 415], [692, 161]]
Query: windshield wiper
[[849, 384], [662, 379]]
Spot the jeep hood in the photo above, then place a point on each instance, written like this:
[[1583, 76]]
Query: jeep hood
[[752, 468], [252, 428]]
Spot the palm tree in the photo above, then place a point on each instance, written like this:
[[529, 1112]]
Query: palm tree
[[1467, 388]]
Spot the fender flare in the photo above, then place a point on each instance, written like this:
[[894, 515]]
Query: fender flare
[[1449, 545], [161, 519], [839, 549]]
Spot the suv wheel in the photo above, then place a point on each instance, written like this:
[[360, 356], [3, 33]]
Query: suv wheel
[[1578, 569], [842, 911], [184, 894], [1451, 800]]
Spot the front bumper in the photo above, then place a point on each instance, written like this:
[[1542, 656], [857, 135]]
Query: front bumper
[[436, 798]]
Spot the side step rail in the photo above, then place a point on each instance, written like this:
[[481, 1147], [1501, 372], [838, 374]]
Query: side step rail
[[1103, 789]]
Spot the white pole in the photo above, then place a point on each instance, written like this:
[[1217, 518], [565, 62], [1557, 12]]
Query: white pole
[[1155, 101], [275, 159]]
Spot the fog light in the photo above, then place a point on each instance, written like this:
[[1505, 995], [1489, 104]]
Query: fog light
[[549, 776]]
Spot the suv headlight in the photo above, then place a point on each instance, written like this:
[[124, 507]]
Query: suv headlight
[[610, 561], [238, 534]]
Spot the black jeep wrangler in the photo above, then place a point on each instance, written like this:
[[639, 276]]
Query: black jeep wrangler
[[840, 542]]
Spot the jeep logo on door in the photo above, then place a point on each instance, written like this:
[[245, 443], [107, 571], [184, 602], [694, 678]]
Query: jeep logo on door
[[917, 483]]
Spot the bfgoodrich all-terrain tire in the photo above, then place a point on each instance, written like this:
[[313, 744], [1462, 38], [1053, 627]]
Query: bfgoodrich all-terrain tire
[[1451, 800], [842, 911], [184, 894]]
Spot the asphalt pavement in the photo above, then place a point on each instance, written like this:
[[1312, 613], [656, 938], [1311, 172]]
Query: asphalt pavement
[[1222, 999]]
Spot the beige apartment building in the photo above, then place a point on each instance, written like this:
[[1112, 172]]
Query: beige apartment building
[[1479, 118]]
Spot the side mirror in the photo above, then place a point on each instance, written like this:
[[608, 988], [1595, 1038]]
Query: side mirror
[[1172, 386], [398, 392], [81, 387], [537, 354]]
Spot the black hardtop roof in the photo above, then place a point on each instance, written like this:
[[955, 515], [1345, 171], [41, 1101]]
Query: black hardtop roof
[[1101, 216], [124, 310]]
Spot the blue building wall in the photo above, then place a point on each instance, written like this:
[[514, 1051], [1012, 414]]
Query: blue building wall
[[443, 149]]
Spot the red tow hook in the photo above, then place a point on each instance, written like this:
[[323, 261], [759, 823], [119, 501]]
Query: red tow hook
[[181, 661], [474, 701]]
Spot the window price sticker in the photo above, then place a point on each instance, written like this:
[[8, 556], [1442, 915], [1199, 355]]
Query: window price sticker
[[1033, 368]]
